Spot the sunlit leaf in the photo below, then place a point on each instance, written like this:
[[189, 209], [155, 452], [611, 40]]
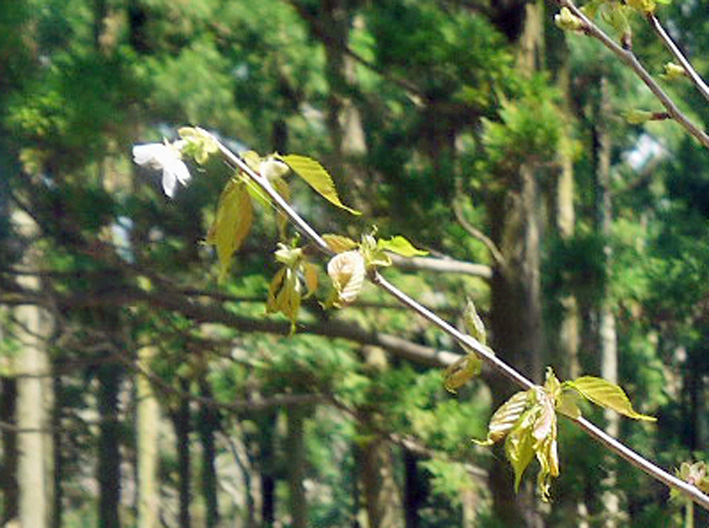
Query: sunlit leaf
[[310, 272], [338, 243], [608, 395], [505, 417], [473, 323], [399, 245], [460, 372], [317, 177], [519, 445], [567, 404], [232, 223]]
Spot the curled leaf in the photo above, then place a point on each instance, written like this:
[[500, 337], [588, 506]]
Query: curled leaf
[[608, 395], [567, 21], [673, 72], [198, 143], [460, 372], [284, 295], [473, 323], [347, 271], [339, 243], [505, 417]]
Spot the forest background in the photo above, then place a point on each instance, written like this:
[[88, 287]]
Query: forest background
[[137, 391]]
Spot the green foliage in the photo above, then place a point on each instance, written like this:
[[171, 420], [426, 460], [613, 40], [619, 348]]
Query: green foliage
[[528, 130]]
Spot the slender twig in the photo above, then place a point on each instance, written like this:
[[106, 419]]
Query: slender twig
[[476, 233], [470, 343], [629, 58], [670, 45]]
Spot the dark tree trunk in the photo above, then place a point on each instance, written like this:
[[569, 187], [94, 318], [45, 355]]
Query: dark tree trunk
[[296, 466], [109, 456], [413, 493], [181, 424], [207, 424], [268, 471], [8, 472], [58, 510]]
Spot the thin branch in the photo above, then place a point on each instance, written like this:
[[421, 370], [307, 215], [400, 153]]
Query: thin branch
[[670, 45], [443, 266], [629, 58], [476, 233], [470, 343]]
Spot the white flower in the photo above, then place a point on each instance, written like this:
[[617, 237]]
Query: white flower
[[166, 158]]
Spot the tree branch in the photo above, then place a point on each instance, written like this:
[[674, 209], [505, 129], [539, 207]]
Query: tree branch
[[672, 47], [470, 343], [476, 233], [629, 58]]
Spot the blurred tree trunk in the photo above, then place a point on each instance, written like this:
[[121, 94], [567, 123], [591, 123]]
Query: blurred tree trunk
[[109, 454], [8, 437], [607, 338], [147, 440], [382, 498], [34, 398], [207, 424], [381, 494], [57, 449], [296, 466], [565, 216], [181, 423], [266, 463], [413, 493], [516, 308]]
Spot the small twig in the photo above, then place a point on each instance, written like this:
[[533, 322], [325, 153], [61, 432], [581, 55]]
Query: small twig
[[629, 58], [476, 233], [470, 343], [670, 45]]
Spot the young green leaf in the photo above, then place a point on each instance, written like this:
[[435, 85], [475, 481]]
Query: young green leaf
[[284, 295], [466, 368], [339, 243], [232, 223], [310, 274], [608, 395], [199, 144], [519, 446], [399, 245], [473, 324], [317, 177], [505, 417], [567, 404]]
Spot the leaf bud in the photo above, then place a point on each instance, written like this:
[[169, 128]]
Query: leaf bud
[[567, 21]]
